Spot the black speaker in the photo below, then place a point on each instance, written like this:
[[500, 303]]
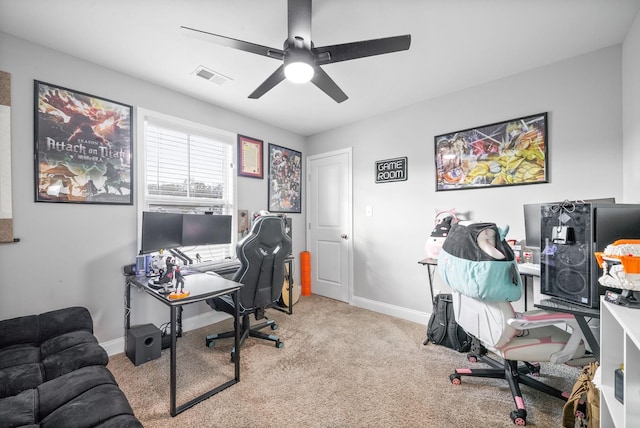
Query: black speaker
[[143, 343]]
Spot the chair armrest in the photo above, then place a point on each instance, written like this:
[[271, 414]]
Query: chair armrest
[[541, 318]]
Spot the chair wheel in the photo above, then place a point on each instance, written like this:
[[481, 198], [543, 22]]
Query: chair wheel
[[455, 379], [279, 344], [472, 358], [274, 326], [211, 343], [519, 417]]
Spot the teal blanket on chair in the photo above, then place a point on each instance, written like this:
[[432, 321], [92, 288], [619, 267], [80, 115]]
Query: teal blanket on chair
[[476, 261]]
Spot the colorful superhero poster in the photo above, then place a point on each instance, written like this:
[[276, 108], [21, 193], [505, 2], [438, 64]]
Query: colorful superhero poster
[[83, 147], [501, 154], [285, 180]]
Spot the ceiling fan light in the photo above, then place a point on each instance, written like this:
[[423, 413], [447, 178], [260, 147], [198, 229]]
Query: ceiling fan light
[[298, 72]]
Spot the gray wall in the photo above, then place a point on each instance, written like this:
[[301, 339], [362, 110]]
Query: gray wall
[[631, 113], [583, 98], [72, 254]]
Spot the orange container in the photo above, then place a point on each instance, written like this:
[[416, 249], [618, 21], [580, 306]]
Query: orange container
[[305, 273]]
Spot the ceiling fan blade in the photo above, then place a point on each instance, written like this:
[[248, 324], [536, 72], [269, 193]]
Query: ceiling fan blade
[[362, 49], [275, 78], [299, 22], [233, 43], [327, 85]]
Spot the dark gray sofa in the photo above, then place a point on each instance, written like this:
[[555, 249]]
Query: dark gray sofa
[[53, 374]]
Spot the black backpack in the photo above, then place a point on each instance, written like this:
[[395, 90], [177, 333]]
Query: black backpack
[[443, 328]]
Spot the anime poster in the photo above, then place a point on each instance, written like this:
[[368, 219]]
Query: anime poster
[[508, 153], [83, 147], [285, 180]]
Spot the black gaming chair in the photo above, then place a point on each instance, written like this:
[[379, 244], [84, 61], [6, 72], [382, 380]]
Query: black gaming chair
[[261, 254]]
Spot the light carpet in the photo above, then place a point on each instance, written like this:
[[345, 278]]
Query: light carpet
[[341, 366]]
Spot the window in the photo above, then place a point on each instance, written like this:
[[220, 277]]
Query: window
[[185, 167]]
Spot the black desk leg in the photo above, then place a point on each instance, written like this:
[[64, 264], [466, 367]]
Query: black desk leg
[[290, 282], [236, 328], [588, 334], [430, 273], [172, 381]]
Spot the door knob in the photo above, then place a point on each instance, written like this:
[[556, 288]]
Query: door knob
[[344, 236]]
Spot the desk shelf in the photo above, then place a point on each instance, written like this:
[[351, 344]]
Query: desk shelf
[[620, 344]]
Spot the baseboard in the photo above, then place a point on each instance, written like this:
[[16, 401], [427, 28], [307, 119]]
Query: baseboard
[[116, 346], [392, 310]]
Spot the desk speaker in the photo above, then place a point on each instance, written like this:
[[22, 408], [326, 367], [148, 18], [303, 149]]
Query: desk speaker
[[143, 343]]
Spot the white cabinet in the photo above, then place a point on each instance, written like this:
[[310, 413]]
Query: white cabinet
[[619, 344]]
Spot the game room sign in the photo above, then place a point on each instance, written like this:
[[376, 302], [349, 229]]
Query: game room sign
[[391, 170]]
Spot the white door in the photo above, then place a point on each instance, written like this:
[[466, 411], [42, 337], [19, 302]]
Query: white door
[[329, 224]]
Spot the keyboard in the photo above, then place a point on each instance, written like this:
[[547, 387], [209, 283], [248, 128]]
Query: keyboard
[[218, 266], [529, 268]]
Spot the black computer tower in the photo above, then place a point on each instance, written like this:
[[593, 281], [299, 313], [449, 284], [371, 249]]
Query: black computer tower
[[570, 234]]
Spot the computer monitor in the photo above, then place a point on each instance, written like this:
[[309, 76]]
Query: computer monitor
[[206, 229], [532, 235], [160, 231]]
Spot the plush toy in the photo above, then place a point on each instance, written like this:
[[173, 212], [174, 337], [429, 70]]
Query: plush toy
[[443, 221]]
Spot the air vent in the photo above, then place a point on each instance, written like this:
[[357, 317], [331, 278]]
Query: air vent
[[211, 75]]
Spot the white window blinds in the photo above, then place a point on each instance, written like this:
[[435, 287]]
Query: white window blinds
[[188, 168], [184, 168]]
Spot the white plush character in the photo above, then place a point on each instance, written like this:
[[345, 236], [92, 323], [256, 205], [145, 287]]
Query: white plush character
[[443, 221]]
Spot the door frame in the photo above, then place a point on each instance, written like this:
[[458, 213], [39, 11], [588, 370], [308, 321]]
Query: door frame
[[349, 152]]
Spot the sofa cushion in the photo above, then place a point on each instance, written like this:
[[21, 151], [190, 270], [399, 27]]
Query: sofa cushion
[[20, 378], [64, 401], [70, 351], [20, 369], [19, 354], [18, 410]]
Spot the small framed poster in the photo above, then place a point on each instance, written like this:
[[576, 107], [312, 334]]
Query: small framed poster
[[285, 180], [249, 157]]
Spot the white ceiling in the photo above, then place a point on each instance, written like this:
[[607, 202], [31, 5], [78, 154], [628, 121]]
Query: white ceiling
[[454, 45]]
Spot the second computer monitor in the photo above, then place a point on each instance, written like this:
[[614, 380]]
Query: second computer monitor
[[206, 229]]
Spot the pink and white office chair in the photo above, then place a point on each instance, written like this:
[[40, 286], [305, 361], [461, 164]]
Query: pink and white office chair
[[535, 335], [528, 336]]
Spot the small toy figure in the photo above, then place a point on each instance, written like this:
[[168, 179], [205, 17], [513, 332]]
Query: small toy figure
[[179, 284]]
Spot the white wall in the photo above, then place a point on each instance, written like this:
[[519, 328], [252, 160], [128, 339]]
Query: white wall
[[631, 112], [583, 98], [72, 254]]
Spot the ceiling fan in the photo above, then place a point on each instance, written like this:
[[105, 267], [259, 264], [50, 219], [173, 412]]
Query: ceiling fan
[[301, 61]]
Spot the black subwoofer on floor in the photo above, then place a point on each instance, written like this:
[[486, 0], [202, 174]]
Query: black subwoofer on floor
[[143, 343]]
